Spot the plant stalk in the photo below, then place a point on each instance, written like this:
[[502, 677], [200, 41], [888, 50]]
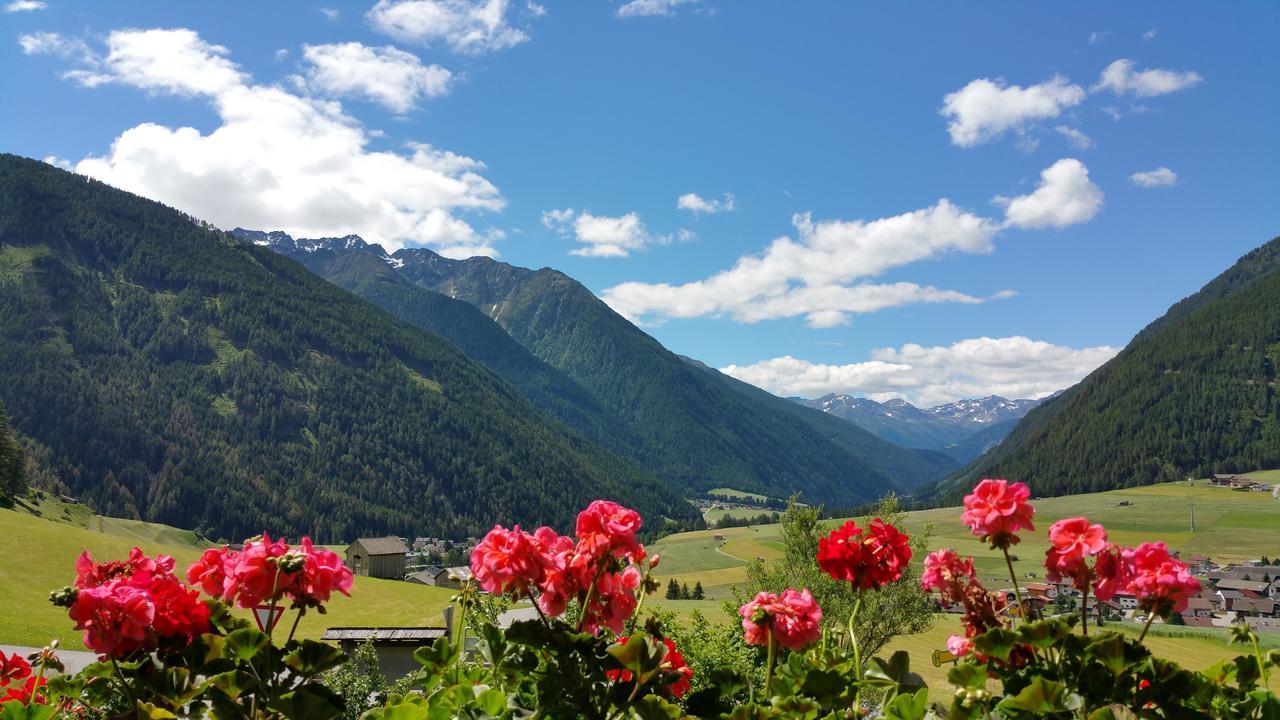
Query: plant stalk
[[857, 656], [1147, 627], [1084, 612], [773, 658]]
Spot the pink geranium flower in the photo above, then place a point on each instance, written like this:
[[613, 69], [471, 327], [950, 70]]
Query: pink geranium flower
[[996, 510], [793, 618], [507, 561], [1162, 583], [115, 618], [1074, 540], [948, 574]]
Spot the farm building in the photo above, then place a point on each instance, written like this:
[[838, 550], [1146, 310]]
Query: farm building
[[377, 557]]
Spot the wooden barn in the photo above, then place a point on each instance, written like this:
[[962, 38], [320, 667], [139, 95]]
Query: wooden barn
[[377, 557]]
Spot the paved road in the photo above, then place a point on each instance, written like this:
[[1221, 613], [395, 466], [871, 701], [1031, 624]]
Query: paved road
[[74, 660]]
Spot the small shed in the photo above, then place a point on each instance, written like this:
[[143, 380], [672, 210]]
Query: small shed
[[431, 575], [395, 645], [382, 557]]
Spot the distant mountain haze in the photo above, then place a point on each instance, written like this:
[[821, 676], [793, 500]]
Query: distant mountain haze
[[963, 429], [690, 425]]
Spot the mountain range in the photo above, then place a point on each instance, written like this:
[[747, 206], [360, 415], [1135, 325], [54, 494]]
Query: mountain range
[[1195, 392], [576, 359], [964, 429], [156, 367]]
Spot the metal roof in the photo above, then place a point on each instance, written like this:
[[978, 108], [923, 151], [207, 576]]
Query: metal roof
[[419, 635], [383, 545]]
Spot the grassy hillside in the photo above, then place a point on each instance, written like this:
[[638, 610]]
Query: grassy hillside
[[38, 554]]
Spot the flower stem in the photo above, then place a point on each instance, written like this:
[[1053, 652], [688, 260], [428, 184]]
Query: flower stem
[[1084, 612], [529, 594], [128, 690], [1017, 592], [773, 658], [301, 611], [857, 656], [1147, 627]]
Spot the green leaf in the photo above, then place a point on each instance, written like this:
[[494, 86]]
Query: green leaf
[[652, 707], [968, 675], [912, 706], [312, 658], [490, 700], [246, 643], [312, 701], [1110, 650], [896, 674], [14, 710], [1113, 712], [1043, 634], [1040, 697], [234, 682], [413, 707], [997, 643]]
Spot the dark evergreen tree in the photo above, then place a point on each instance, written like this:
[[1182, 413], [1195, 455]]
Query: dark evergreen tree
[[13, 481], [673, 589], [697, 593], [684, 591]]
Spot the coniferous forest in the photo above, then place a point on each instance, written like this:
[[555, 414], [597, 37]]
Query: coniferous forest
[[168, 371], [1196, 392]]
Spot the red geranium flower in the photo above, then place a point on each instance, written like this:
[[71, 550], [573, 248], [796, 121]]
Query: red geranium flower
[[1073, 541], [323, 573], [13, 668], [1111, 573], [868, 561], [794, 619], [996, 510], [1162, 583]]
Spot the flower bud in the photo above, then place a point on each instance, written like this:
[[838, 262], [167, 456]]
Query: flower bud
[[66, 597]]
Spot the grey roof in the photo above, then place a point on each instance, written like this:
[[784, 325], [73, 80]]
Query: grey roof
[[1230, 584], [416, 635], [516, 615], [383, 545]]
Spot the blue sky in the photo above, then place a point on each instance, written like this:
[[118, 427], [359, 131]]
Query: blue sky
[[866, 148]]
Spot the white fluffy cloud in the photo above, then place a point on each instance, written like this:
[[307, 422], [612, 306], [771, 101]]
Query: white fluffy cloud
[[814, 275], [604, 236], [466, 26], [651, 8], [985, 109], [24, 6], [278, 159], [386, 75], [1120, 78], [1014, 367], [1065, 196], [697, 204], [1078, 140], [821, 274], [1160, 177]]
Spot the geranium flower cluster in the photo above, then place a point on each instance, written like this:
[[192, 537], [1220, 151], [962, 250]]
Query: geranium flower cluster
[[601, 570], [17, 683], [868, 560], [953, 577], [135, 604], [1161, 583], [267, 570], [792, 618], [672, 663], [996, 510]]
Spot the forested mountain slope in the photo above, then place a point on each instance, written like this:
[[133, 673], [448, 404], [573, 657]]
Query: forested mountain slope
[[691, 426], [171, 372], [1195, 392]]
